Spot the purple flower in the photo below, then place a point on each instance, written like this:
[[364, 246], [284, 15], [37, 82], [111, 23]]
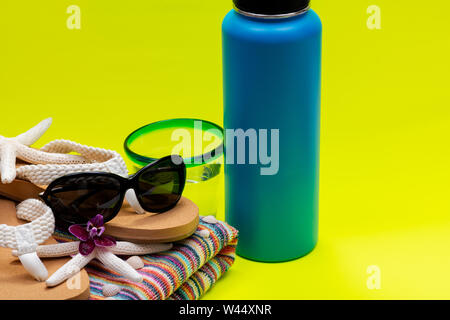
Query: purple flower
[[91, 236]]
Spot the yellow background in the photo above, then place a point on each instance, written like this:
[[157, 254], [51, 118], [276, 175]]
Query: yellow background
[[385, 152]]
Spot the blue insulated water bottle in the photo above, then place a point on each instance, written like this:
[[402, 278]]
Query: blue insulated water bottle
[[272, 67]]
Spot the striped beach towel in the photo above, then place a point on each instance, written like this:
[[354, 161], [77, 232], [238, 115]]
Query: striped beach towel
[[185, 272]]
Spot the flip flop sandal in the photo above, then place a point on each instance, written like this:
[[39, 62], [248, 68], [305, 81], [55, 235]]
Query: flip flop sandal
[[19, 282], [37, 168], [25, 172]]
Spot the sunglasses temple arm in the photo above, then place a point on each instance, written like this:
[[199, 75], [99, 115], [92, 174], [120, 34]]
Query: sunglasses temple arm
[[131, 197], [161, 169]]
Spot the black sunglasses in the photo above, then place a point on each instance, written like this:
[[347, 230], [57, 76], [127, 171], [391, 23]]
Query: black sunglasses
[[78, 197]]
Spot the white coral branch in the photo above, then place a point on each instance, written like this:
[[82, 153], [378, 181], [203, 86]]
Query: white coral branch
[[58, 250], [118, 265], [71, 268], [33, 135], [8, 161], [128, 248]]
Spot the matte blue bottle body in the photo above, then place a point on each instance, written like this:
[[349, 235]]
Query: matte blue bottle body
[[272, 73]]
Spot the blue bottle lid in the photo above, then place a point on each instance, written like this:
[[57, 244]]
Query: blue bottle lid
[[271, 7]]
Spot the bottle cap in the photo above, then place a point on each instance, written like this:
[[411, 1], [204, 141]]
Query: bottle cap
[[271, 7]]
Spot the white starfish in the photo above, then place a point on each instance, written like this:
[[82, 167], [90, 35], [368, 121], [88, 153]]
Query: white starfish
[[106, 255], [19, 147]]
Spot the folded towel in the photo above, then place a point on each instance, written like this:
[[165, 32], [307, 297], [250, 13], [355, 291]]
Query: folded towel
[[185, 272]]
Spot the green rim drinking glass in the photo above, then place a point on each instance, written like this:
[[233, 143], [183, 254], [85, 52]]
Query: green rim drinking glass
[[198, 142]]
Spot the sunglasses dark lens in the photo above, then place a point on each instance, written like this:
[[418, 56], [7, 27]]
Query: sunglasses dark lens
[[160, 186], [77, 199]]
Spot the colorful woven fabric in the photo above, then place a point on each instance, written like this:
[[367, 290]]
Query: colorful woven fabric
[[185, 272]]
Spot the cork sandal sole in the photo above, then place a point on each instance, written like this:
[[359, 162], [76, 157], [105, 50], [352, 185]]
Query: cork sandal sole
[[18, 284]]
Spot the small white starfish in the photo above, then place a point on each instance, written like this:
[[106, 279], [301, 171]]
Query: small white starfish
[[106, 255], [19, 147]]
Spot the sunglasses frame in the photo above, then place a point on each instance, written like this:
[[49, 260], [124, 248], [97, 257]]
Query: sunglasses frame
[[132, 182]]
